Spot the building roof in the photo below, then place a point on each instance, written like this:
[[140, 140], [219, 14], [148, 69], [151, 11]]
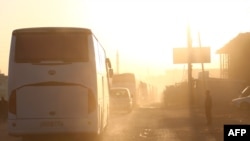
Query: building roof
[[242, 40]]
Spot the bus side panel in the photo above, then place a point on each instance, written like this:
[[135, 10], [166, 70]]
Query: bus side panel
[[102, 84]]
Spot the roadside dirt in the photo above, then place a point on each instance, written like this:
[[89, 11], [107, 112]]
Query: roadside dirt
[[196, 123]]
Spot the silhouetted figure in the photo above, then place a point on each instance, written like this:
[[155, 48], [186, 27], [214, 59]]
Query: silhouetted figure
[[208, 107], [3, 109]]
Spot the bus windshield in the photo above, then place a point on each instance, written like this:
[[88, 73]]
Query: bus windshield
[[55, 46]]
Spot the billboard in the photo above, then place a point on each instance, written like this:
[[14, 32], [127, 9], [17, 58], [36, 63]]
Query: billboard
[[197, 55]]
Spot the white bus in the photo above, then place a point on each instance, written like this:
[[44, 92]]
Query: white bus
[[58, 82]]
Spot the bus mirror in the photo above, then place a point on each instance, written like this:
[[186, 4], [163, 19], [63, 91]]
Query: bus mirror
[[108, 63], [111, 73]]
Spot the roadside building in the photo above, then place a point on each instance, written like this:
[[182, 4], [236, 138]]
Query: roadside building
[[234, 58]]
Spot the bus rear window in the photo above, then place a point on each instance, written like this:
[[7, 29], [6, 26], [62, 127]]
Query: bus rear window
[[37, 47]]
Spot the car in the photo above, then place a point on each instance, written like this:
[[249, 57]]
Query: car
[[120, 99], [243, 101]]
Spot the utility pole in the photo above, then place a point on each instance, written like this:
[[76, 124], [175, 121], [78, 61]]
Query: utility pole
[[189, 55], [202, 65], [190, 79], [117, 61]]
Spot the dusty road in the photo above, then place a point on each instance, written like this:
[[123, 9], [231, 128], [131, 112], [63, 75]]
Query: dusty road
[[160, 124], [156, 124]]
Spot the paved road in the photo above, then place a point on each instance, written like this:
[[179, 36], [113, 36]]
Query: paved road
[[158, 124]]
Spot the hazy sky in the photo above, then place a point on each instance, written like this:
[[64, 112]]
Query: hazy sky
[[143, 31]]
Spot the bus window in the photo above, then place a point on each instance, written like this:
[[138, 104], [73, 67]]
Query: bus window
[[36, 47]]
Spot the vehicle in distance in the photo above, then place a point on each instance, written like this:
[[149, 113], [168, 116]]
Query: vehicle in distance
[[120, 99], [128, 80], [243, 101]]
